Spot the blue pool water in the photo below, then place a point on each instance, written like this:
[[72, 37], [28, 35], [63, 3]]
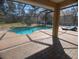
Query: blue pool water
[[27, 30]]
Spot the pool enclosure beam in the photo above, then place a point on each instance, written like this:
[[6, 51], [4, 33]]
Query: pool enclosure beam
[[56, 22]]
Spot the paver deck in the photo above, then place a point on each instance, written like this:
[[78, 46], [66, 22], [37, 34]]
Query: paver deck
[[39, 45]]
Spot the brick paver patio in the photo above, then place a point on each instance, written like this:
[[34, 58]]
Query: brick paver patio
[[39, 45]]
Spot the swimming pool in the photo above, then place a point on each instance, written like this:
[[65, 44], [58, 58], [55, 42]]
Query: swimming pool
[[27, 30]]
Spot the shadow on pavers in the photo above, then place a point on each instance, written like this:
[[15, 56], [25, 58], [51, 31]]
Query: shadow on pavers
[[55, 51]]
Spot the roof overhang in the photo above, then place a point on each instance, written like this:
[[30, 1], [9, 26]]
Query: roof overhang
[[49, 3]]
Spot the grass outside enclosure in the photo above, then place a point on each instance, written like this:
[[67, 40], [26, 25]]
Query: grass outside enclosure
[[8, 25], [11, 25]]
